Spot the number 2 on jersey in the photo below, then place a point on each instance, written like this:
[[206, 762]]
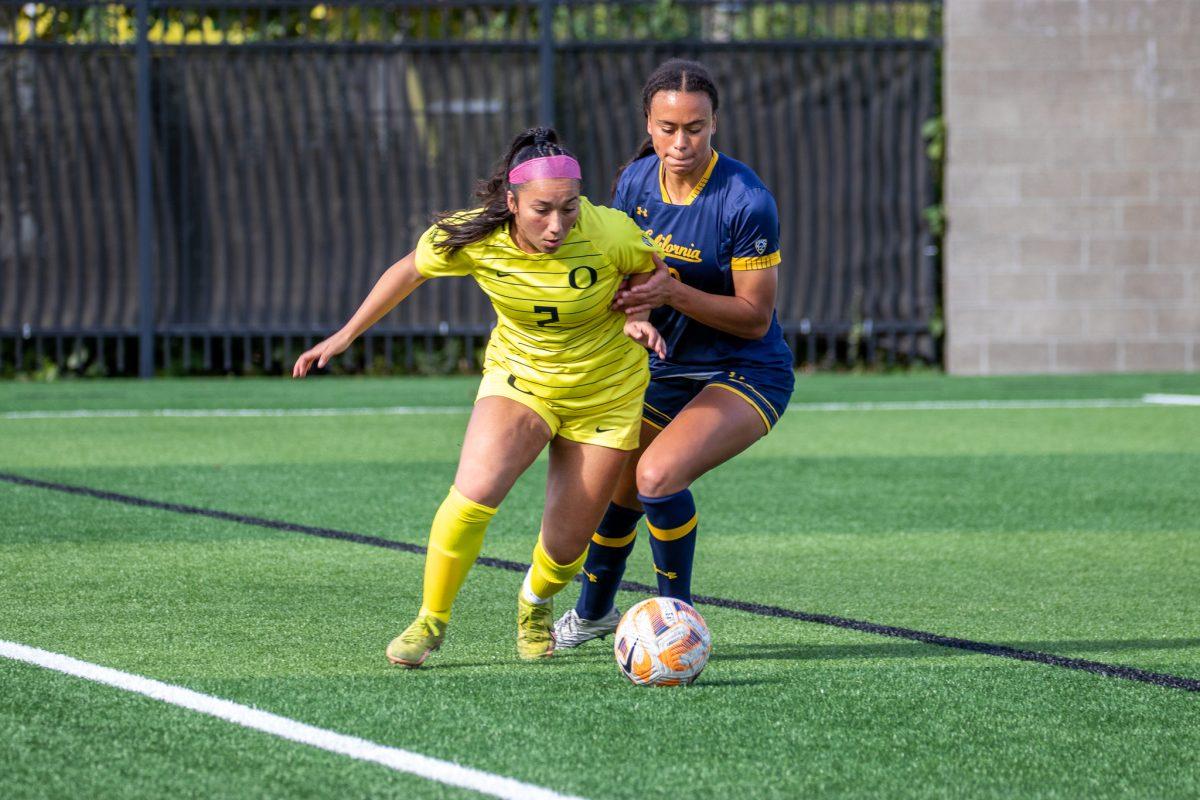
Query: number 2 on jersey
[[551, 310]]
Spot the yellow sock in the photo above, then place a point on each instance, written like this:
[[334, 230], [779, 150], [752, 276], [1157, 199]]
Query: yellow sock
[[454, 543], [546, 576]]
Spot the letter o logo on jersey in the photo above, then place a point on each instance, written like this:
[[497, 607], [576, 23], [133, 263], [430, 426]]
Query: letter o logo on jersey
[[582, 277]]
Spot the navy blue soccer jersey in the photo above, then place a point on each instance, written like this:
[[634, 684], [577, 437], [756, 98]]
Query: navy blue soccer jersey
[[728, 223]]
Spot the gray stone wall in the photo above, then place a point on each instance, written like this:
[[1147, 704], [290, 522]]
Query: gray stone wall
[[1072, 185]]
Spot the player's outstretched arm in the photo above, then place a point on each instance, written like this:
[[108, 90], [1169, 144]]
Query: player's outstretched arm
[[393, 286]]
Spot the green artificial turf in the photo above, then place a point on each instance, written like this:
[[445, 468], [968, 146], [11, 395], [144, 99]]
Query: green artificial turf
[[1065, 531]]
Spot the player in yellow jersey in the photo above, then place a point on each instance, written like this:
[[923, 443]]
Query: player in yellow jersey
[[562, 368]]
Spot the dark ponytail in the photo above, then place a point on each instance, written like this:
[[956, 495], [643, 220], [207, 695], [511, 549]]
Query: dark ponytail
[[676, 75], [493, 192]]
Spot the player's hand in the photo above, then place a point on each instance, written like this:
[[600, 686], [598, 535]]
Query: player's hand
[[646, 335], [649, 295], [320, 354]]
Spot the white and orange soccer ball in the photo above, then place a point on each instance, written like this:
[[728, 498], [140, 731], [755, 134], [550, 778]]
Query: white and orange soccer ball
[[662, 642]]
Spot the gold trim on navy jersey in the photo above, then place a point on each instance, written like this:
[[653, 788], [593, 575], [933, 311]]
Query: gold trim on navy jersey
[[744, 263], [687, 201]]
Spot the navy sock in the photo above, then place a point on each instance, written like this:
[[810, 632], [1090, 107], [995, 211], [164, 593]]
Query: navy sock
[[610, 547], [672, 522]]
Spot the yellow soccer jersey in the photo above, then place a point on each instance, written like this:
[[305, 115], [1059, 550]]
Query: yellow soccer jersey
[[555, 335]]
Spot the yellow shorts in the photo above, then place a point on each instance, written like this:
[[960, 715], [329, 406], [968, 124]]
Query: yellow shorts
[[616, 424]]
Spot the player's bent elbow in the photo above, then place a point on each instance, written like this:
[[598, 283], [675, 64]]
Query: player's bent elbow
[[758, 330]]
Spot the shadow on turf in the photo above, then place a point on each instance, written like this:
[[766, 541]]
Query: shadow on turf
[[543, 663], [803, 652], [590, 656], [704, 680]]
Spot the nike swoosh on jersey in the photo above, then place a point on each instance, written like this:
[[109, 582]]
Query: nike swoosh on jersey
[[512, 381]]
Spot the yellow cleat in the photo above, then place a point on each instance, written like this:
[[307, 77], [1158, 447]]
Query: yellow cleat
[[411, 648], [535, 629]]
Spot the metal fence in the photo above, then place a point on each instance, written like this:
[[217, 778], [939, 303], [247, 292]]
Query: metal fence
[[210, 186]]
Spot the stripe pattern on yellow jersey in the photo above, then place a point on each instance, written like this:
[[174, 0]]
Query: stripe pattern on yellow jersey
[[555, 333]]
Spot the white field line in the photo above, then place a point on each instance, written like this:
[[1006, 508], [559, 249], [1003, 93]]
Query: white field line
[[964, 405], [236, 412], [1172, 399], [916, 405], [392, 757]]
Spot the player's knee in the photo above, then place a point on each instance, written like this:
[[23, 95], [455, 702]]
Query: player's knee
[[563, 550], [480, 488], [655, 478]]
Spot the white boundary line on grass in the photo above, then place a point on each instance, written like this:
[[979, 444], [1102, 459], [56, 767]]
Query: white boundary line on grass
[[965, 405], [1172, 399], [401, 760], [915, 405], [236, 412]]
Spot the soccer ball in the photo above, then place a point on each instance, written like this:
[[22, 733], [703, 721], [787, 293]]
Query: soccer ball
[[662, 642]]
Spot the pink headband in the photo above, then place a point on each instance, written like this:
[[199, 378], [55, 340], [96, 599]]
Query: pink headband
[[537, 169]]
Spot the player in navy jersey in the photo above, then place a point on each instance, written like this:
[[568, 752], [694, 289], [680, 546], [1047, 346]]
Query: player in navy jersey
[[727, 375]]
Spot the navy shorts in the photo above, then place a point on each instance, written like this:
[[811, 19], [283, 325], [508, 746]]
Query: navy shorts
[[766, 390]]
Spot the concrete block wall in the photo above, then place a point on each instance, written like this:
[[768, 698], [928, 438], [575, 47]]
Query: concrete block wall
[[1072, 185]]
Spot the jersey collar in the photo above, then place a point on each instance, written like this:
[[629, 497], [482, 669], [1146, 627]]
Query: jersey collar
[[662, 181]]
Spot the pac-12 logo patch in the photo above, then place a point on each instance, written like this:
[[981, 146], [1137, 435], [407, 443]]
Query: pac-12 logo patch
[[761, 246]]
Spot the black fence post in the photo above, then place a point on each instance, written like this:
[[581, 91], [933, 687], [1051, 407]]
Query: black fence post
[[145, 207], [546, 61]]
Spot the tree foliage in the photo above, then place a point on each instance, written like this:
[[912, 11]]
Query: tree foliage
[[188, 23]]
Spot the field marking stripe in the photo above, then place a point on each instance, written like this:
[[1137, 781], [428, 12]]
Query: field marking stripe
[[124, 413], [180, 508], [983, 648], [968, 405], [925, 637], [433, 769], [903, 405], [1172, 399]]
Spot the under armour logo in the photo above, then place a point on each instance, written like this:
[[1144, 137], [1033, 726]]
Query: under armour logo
[[668, 575], [641, 212]]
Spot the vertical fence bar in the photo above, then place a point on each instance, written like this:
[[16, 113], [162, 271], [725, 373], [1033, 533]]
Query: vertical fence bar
[[19, 179], [145, 211], [546, 61], [929, 284]]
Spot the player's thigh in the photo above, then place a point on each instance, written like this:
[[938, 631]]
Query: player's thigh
[[579, 484], [713, 428], [503, 438], [627, 492]]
